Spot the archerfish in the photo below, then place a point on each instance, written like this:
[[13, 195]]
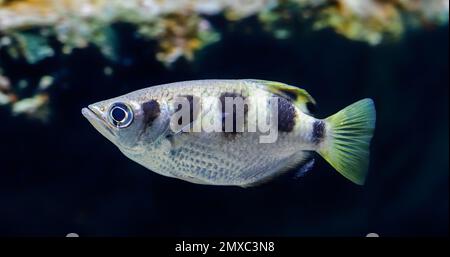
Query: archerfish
[[233, 132]]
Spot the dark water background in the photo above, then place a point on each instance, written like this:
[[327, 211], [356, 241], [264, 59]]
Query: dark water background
[[64, 177]]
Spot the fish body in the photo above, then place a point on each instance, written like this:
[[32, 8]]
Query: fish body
[[220, 142]]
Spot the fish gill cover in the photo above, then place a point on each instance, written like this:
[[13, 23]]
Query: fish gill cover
[[32, 31]]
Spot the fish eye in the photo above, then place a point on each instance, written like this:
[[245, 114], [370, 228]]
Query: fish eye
[[120, 115]]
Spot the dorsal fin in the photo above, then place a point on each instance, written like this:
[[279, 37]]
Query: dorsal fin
[[299, 96]]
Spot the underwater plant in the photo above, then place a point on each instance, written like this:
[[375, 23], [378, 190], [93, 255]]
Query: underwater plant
[[180, 28]]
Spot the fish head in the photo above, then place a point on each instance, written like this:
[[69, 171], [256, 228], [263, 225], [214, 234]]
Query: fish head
[[129, 123]]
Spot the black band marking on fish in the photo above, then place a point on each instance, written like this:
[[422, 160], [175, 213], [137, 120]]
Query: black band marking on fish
[[286, 115], [292, 95], [193, 112], [318, 131], [222, 101], [289, 93], [151, 111], [312, 108]]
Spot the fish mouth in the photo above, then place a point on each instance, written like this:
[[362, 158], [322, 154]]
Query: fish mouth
[[93, 115]]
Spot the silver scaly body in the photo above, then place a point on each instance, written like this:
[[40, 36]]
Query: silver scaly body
[[212, 158]]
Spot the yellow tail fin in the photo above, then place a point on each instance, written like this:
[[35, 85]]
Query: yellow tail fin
[[346, 147]]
